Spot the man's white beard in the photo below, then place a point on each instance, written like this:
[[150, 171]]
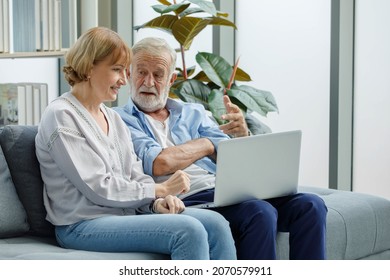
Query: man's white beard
[[148, 103]]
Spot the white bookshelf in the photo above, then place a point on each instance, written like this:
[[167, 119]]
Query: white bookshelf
[[37, 28], [33, 54]]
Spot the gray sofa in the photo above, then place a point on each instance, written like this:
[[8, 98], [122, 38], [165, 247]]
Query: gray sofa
[[358, 225]]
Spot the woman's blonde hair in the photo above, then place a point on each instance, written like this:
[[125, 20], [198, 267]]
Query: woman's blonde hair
[[93, 46]]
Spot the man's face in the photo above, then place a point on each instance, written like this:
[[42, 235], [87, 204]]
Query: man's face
[[150, 81]]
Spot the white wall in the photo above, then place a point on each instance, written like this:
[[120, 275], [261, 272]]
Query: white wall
[[371, 172], [37, 70], [285, 46]]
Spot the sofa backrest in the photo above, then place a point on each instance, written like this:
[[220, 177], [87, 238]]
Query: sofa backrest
[[18, 145], [13, 218]]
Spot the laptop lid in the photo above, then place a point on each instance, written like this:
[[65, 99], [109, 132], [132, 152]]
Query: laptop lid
[[261, 166]]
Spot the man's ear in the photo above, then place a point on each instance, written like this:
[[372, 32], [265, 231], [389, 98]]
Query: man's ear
[[128, 74], [173, 79]]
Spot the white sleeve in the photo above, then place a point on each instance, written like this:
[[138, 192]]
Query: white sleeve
[[87, 166]]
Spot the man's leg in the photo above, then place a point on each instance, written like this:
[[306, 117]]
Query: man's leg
[[304, 216], [253, 224]]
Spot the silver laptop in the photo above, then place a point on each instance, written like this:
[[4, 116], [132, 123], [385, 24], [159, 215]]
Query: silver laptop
[[261, 166]]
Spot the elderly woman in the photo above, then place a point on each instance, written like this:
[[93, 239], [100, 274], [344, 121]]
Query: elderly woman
[[95, 191]]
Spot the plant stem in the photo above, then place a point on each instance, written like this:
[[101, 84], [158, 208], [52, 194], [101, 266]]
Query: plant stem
[[185, 76], [232, 76]]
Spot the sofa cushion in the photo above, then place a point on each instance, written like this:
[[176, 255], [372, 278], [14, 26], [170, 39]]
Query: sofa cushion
[[358, 224], [18, 144], [13, 218]]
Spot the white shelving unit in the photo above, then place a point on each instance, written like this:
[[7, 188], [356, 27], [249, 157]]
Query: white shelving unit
[[37, 28]]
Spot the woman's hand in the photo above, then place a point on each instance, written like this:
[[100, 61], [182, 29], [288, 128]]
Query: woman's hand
[[178, 183], [168, 205]]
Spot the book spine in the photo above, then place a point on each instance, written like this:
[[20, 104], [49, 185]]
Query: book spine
[[38, 28], [37, 105], [1, 27], [43, 98], [21, 104], [45, 25], [51, 25], [29, 105], [57, 25], [8, 26]]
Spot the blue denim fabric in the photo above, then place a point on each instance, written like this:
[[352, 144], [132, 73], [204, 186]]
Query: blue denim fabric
[[195, 234]]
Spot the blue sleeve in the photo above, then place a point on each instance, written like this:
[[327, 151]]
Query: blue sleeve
[[202, 126], [145, 146]]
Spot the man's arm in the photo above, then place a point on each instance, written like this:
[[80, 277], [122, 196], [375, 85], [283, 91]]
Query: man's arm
[[181, 156]]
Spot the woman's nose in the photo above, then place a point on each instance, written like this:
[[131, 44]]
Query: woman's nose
[[123, 78]]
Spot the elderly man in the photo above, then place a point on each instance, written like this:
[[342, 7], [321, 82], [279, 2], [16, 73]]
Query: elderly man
[[170, 135]]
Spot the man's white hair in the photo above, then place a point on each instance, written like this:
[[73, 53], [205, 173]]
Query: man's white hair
[[155, 46]]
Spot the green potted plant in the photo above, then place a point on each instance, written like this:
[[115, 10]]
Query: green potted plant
[[216, 77]]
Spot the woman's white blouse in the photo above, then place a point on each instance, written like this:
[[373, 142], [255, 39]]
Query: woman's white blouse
[[86, 173]]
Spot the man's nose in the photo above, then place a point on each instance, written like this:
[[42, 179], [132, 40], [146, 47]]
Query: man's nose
[[149, 81]]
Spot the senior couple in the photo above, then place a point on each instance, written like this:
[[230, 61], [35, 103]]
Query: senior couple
[[119, 180]]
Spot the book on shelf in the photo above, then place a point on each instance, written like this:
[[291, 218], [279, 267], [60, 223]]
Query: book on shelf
[[69, 21], [35, 25], [1, 27], [49, 23], [22, 103], [23, 14], [7, 21], [29, 105], [57, 25]]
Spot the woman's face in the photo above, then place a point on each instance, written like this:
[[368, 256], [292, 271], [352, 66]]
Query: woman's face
[[106, 79]]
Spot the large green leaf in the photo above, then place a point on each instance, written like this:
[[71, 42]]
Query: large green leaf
[[222, 14], [185, 29], [216, 68], [256, 100], [164, 22], [206, 6], [201, 76], [190, 71], [216, 105], [242, 76], [177, 8], [165, 2], [193, 91], [191, 11], [221, 22]]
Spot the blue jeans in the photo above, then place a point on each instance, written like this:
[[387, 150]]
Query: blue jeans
[[255, 224], [195, 234]]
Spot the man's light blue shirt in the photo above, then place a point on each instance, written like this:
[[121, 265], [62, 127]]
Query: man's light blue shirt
[[187, 121]]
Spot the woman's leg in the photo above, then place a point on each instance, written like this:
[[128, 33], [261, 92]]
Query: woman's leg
[[180, 236], [218, 231]]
